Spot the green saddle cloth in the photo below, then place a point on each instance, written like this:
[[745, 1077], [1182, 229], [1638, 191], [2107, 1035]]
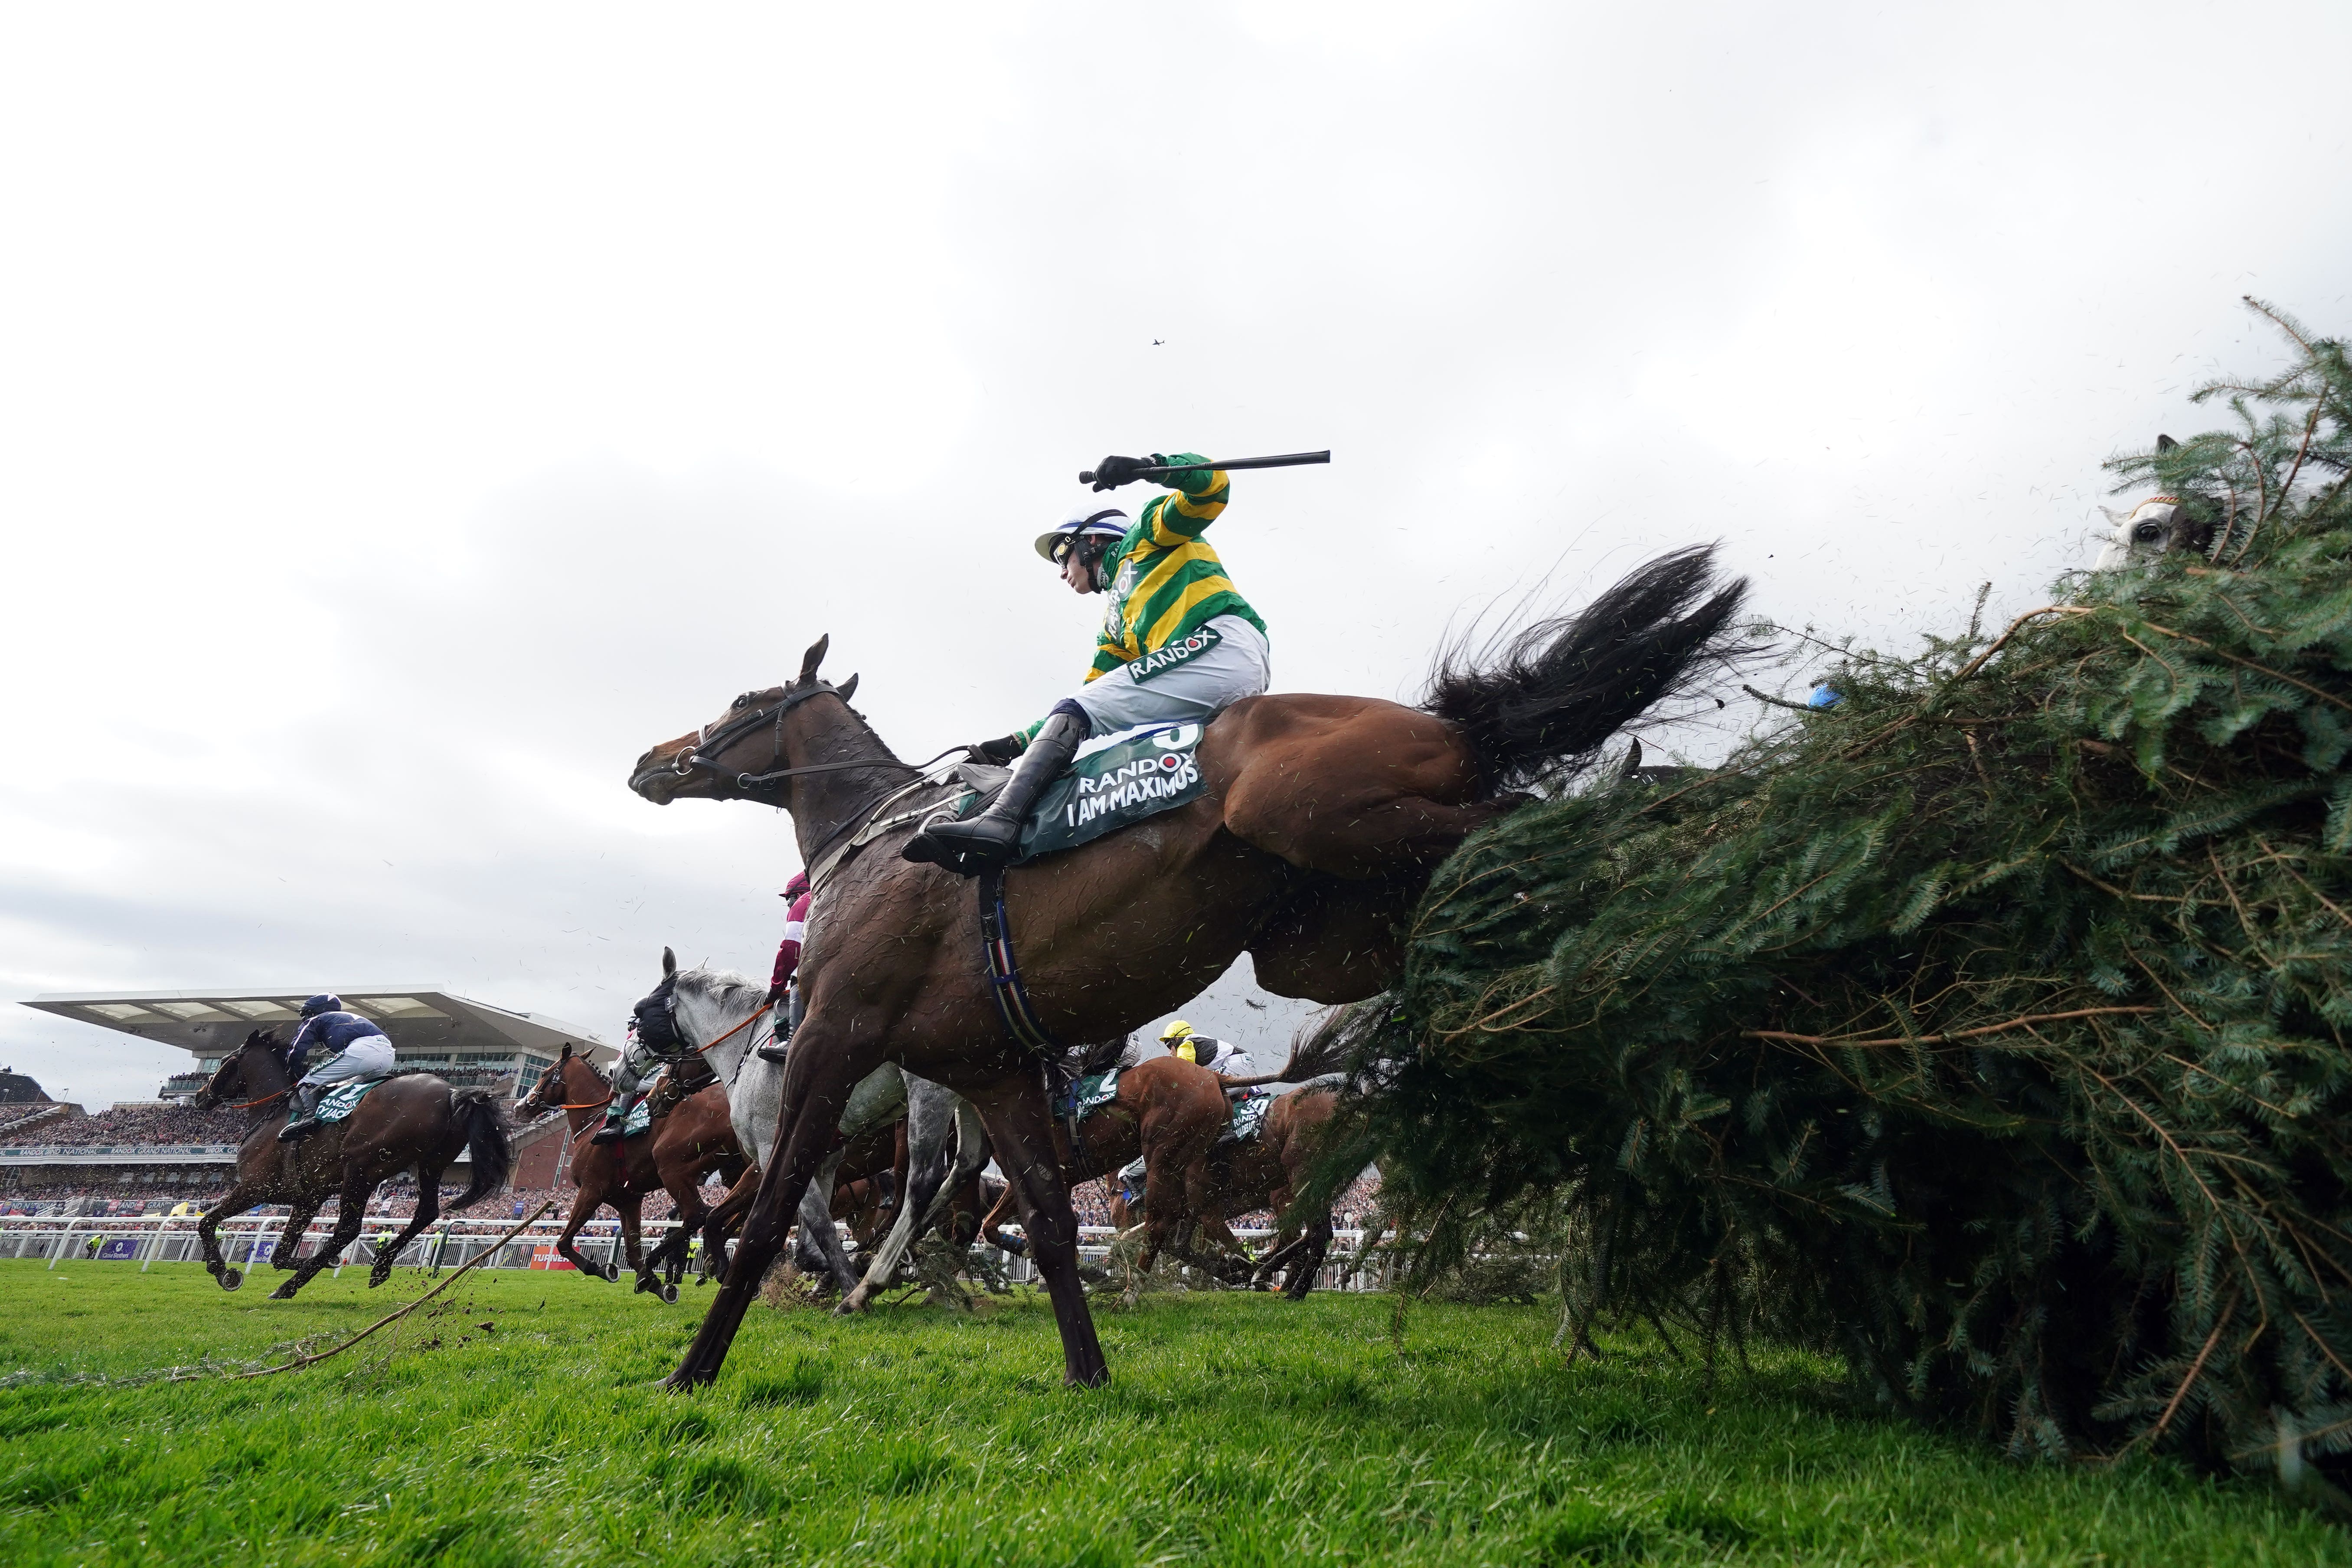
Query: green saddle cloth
[[1139, 776], [344, 1098], [640, 1117], [1249, 1119]]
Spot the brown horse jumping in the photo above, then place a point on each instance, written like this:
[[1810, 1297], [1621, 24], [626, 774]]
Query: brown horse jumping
[[1320, 820], [695, 1139], [414, 1122]]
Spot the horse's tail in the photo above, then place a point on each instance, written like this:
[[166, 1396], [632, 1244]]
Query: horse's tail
[[1549, 695], [476, 1111], [1321, 1045]]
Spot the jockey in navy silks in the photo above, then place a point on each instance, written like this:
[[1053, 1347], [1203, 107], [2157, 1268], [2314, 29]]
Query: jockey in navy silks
[[356, 1049], [1178, 645]]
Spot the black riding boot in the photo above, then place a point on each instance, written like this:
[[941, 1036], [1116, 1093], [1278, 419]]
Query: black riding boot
[[993, 837], [616, 1120], [305, 1119]]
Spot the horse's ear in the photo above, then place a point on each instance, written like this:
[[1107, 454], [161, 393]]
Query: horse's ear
[[814, 657], [2166, 443], [669, 965], [847, 690], [567, 1052]]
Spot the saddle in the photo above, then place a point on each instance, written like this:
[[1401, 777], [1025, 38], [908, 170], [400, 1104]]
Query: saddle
[[681, 1078]]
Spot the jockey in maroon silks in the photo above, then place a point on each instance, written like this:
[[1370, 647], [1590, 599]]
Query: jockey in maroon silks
[[782, 992]]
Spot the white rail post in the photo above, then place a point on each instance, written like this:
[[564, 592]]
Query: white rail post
[[63, 1238]]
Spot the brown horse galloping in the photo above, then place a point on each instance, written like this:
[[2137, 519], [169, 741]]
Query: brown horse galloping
[[1319, 823], [695, 1139], [414, 1122]]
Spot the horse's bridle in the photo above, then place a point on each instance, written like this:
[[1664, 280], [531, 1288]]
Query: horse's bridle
[[708, 740]]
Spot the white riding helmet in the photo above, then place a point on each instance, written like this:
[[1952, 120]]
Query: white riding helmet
[[1087, 520]]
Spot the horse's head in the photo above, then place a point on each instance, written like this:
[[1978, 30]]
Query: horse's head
[[720, 760], [231, 1077], [654, 1020], [2153, 528], [551, 1092]]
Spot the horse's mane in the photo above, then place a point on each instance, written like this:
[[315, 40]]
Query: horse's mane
[[723, 988]]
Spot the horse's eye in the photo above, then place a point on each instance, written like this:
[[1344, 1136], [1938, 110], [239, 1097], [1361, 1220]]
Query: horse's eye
[[2147, 532]]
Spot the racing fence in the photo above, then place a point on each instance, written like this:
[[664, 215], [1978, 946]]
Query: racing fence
[[246, 1243]]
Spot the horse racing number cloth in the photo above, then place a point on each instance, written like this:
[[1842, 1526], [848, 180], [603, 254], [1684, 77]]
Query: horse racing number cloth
[[1117, 786], [1249, 1118], [1087, 1095], [344, 1098]]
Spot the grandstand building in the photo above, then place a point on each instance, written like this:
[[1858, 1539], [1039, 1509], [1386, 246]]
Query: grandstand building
[[166, 1148]]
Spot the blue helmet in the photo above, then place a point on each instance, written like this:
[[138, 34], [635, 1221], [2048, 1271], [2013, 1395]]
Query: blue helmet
[[323, 1002]]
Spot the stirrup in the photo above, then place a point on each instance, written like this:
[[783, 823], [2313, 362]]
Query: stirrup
[[296, 1130], [773, 1051]]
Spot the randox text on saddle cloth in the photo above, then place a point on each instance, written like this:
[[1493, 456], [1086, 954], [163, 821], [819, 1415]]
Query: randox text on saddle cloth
[[1121, 784]]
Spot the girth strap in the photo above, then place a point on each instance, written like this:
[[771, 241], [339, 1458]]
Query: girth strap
[[1013, 1003]]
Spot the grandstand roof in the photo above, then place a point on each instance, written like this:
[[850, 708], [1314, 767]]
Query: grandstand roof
[[417, 1018]]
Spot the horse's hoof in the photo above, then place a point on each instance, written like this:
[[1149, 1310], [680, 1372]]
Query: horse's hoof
[[284, 1292], [375, 1278], [230, 1279], [611, 1273], [670, 1295]]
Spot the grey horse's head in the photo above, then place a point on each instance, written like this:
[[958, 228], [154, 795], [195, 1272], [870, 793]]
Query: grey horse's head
[[2137, 537]]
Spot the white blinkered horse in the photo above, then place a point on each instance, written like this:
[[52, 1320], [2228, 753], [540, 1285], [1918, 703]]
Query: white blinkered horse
[[946, 1145]]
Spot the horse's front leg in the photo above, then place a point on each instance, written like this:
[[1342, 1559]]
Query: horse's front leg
[[238, 1199], [282, 1255], [935, 1118], [1021, 1127], [816, 1086]]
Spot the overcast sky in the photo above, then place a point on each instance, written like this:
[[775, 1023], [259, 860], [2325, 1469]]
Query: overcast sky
[[408, 414]]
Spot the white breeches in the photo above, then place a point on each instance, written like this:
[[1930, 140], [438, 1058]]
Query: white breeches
[[370, 1057], [1240, 666]]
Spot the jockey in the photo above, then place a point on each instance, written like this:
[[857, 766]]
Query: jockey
[[637, 1067], [359, 1049], [784, 992], [1217, 1056], [1178, 644]]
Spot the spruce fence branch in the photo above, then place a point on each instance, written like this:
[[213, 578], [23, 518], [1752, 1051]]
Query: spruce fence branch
[[300, 1362], [1945, 1038]]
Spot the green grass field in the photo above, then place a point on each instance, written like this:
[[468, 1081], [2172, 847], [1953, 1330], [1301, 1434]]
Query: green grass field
[[1237, 1429]]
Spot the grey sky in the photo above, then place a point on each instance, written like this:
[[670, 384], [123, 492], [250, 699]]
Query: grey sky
[[406, 417]]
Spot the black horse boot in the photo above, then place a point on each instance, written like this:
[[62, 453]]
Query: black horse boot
[[993, 837], [305, 1119]]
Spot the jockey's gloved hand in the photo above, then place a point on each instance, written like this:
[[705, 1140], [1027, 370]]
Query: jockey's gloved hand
[[1000, 751], [1113, 472], [776, 994]]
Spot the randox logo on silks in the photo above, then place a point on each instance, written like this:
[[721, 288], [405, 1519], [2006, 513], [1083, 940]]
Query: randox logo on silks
[[1182, 650]]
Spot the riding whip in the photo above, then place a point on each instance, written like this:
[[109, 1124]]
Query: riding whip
[[1287, 460]]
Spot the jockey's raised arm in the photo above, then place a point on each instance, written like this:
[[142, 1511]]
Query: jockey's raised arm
[[1177, 643]]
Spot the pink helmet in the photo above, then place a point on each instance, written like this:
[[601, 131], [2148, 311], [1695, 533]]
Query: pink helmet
[[797, 886]]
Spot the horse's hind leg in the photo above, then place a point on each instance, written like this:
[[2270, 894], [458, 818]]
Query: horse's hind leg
[[818, 1230], [351, 1216], [1022, 1128], [428, 1209]]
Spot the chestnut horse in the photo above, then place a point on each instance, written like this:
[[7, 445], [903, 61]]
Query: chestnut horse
[[1271, 1170], [414, 1122], [1319, 823], [695, 1139]]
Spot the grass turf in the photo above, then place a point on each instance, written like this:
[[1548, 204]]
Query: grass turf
[[1238, 1430]]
